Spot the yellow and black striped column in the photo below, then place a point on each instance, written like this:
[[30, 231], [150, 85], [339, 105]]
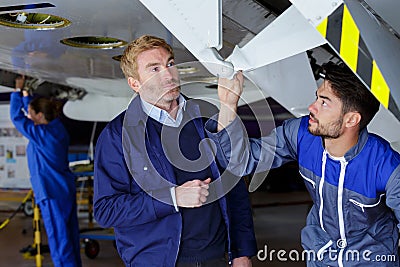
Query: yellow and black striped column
[[342, 33], [36, 231]]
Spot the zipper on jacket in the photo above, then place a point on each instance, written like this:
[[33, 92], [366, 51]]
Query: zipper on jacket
[[321, 251], [362, 206], [320, 188], [342, 244], [308, 180]]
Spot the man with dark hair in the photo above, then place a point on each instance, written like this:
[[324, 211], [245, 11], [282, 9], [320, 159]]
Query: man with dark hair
[[153, 174], [353, 176], [351, 92]]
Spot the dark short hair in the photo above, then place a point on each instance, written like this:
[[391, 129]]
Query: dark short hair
[[50, 108], [353, 94]]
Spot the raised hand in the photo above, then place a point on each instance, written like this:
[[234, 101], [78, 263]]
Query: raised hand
[[229, 92], [19, 82]]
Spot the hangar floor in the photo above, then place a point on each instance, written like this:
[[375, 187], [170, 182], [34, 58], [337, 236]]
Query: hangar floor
[[278, 219]]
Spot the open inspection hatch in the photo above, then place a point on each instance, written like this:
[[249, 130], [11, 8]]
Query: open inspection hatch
[[94, 42], [36, 21]]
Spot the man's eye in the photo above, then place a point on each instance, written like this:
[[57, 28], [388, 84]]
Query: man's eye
[[155, 69], [171, 64]]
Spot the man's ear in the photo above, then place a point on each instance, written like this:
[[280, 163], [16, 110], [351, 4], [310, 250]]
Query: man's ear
[[353, 119], [134, 84]]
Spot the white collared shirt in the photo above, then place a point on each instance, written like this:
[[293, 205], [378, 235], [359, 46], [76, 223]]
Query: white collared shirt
[[162, 116]]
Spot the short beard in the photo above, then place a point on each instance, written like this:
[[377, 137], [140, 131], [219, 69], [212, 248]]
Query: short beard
[[331, 131]]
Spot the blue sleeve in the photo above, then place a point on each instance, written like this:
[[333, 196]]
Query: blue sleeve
[[241, 222], [25, 126], [118, 200], [242, 155], [26, 100], [393, 192]]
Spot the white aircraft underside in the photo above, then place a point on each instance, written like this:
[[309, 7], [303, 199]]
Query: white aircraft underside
[[270, 43]]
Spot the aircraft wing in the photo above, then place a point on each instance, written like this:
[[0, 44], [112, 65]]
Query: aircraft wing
[[277, 43]]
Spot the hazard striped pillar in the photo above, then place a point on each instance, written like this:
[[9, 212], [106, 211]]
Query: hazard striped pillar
[[36, 232], [342, 33]]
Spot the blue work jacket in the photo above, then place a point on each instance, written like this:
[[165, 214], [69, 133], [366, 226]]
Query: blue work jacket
[[146, 224], [47, 154], [356, 197]]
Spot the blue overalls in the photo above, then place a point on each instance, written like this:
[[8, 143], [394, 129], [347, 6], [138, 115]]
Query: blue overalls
[[52, 182]]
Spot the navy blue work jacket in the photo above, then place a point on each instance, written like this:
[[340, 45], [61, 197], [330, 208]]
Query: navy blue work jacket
[[148, 229]]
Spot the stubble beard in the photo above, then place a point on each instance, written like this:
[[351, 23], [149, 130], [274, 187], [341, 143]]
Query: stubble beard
[[165, 99], [330, 130]]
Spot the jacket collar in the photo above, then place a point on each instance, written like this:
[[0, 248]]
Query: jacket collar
[[357, 148], [135, 113]]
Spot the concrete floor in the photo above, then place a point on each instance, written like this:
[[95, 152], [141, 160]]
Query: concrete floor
[[278, 219]]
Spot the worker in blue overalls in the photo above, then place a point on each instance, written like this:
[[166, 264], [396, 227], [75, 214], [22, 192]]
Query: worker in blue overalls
[[52, 181]]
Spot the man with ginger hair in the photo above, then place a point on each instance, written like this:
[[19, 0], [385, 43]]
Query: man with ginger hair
[[154, 177]]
